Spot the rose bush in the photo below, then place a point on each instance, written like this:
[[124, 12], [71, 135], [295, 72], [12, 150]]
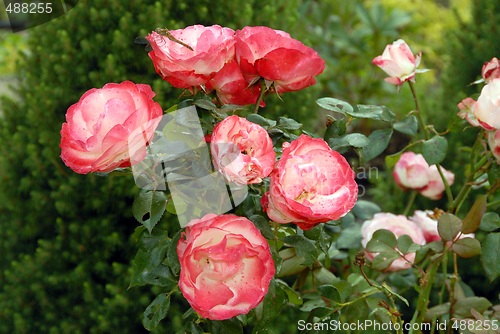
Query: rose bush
[[231, 86], [226, 266], [242, 151], [109, 127], [399, 63], [397, 224], [184, 68], [275, 56], [487, 109], [310, 184]]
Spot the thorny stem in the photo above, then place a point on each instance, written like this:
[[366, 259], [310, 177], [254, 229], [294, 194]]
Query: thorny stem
[[262, 92]]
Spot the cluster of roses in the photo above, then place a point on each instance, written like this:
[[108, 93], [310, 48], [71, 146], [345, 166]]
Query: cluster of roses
[[485, 112], [232, 63], [226, 264]]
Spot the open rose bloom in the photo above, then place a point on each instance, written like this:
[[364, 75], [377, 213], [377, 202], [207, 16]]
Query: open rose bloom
[[310, 184], [487, 109], [397, 224], [226, 266], [399, 63], [242, 151], [275, 56], [184, 68], [109, 128], [413, 172]]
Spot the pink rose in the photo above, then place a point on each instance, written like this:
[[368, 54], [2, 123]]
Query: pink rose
[[242, 151], [226, 266], [487, 108], [411, 171], [109, 127], [231, 87], [491, 70], [310, 184], [429, 226], [399, 63], [435, 187], [467, 111], [494, 142], [275, 56], [183, 68], [398, 225]]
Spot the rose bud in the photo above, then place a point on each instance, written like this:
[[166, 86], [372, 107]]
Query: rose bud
[[429, 226], [226, 266], [184, 68], [275, 56], [435, 187], [467, 111], [310, 184], [494, 143], [491, 70], [399, 225], [232, 88], [411, 171], [109, 128], [487, 109], [398, 62], [242, 151]]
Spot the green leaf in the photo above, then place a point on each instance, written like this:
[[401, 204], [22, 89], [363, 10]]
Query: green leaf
[[437, 310], [473, 219], [381, 113], [228, 326], [156, 311], [490, 257], [149, 202], [467, 247], [352, 139], [434, 150], [406, 245], [344, 289], [176, 208], [435, 246], [388, 288], [288, 123], [273, 301], [462, 307], [449, 226], [293, 296], [304, 247], [365, 210], [262, 121], [383, 260], [138, 232], [172, 257], [336, 129], [336, 105], [263, 225], [407, 126], [391, 160], [330, 292], [379, 140], [349, 238], [150, 241], [205, 104], [494, 174], [490, 222], [382, 240]]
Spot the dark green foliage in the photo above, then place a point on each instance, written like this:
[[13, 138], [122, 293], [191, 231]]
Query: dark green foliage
[[65, 240]]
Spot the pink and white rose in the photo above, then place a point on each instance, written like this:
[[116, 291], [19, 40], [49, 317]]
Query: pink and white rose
[[397, 224], [435, 187], [487, 109], [231, 86], [275, 56], [310, 184], [399, 63], [109, 127], [491, 70], [184, 68], [242, 151], [411, 171], [226, 266], [467, 111], [429, 226], [494, 143]]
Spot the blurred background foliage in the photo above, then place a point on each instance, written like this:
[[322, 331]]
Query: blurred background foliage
[[66, 238]]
